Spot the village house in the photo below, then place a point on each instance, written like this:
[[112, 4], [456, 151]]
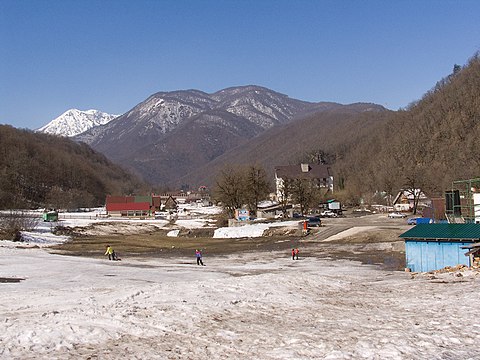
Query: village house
[[147, 205], [171, 204], [273, 210], [319, 174], [404, 201], [201, 196], [132, 206]]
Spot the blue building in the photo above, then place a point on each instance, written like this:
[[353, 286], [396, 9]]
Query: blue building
[[434, 246]]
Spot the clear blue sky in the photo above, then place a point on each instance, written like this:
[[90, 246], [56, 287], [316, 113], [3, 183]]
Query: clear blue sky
[[112, 54]]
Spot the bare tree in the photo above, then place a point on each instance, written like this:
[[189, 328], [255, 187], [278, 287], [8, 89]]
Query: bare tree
[[236, 187], [256, 186], [305, 194], [414, 186], [229, 189], [285, 193]]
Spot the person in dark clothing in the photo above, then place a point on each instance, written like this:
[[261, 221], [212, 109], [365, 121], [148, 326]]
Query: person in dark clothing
[[198, 254]]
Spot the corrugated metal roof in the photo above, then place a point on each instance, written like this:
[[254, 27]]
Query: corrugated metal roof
[[143, 198], [128, 206], [119, 199], [443, 231]]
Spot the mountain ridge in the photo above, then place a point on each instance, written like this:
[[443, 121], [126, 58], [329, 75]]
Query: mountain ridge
[[74, 122], [173, 133]]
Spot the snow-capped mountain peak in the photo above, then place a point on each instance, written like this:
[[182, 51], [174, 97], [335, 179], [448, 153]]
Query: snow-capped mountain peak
[[73, 122]]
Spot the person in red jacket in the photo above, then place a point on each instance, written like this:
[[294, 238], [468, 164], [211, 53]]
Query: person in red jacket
[[293, 254], [296, 254]]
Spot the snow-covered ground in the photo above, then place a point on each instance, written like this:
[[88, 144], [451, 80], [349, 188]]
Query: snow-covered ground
[[244, 306], [188, 216], [261, 306]]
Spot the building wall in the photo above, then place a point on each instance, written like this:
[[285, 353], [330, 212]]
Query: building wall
[[130, 213], [476, 207], [326, 183], [422, 256]]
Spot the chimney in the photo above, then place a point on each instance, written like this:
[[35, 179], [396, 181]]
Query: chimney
[[305, 168]]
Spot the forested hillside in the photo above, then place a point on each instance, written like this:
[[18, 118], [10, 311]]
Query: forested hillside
[[39, 170], [428, 145], [306, 139], [173, 133]]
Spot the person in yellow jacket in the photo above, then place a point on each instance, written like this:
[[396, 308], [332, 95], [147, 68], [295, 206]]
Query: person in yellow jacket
[[111, 253]]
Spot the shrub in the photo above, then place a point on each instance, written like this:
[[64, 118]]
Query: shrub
[[14, 222]]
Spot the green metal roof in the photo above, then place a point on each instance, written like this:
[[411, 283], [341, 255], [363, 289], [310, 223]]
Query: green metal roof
[[443, 231]]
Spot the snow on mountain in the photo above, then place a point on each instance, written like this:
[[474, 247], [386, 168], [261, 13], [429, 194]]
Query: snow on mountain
[[73, 122], [170, 134]]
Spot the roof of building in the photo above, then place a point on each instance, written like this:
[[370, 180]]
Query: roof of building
[[128, 206], [409, 195], [315, 171], [443, 232]]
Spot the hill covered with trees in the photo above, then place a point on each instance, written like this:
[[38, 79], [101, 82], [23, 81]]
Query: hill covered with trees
[[428, 145], [40, 170]]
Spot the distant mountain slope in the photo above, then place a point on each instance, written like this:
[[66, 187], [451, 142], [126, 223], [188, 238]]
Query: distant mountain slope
[[429, 145], [73, 122], [173, 133], [42, 170], [326, 130]]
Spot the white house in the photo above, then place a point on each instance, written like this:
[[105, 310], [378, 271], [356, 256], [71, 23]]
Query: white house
[[319, 174], [405, 199]]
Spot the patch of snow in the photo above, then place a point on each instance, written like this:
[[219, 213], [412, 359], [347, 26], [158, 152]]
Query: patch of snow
[[42, 239], [250, 230], [173, 233], [74, 122]]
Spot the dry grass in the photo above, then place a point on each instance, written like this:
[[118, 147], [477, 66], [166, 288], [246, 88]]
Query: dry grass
[[368, 247], [158, 244]]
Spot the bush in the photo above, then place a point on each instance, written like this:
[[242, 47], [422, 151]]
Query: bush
[[14, 222]]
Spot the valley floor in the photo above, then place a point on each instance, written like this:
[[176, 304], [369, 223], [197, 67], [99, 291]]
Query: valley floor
[[246, 305]]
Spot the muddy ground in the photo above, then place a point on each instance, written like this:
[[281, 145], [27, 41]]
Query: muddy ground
[[379, 244]]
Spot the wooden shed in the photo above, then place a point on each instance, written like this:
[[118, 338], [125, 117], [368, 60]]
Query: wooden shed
[[434, 246]]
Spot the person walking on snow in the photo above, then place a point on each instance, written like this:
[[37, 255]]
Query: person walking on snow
[[198, 254], [293, 254], [111, 253], [296, 254]]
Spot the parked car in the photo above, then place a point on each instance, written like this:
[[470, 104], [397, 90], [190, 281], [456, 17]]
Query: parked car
[[396, 215], [420, 220], [328, 213], [412, 221], [314, 221]]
